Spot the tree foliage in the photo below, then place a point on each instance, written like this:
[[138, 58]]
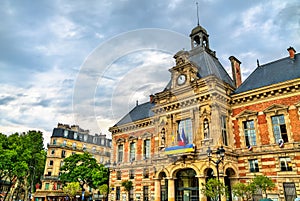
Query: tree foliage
[[213, 188], [83, 168], [72, 189], [264, 183], [244, 190], [22, 160], [103, 189]]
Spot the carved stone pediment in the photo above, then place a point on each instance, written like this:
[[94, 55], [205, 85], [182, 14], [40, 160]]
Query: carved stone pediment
[[146, 135], [275, 108], [120, 141], [246, 114], [132, 138]]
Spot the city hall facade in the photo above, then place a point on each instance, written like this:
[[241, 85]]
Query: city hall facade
[[207, 124]]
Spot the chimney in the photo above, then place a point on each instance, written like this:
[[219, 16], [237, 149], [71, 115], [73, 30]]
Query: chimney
[[236, 71], [292, 52], [151, 98]]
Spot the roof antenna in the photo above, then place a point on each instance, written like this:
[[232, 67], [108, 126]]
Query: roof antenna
[[197, 14], [257, 61]]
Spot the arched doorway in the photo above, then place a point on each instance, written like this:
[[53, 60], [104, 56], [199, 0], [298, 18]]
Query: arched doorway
[[209, 173], [186, 185], [229, 173], [163, 186]]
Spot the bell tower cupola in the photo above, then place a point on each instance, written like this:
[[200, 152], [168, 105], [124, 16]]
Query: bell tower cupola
[[199, 37]]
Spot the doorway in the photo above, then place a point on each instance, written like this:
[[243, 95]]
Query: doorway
[[186, 185]]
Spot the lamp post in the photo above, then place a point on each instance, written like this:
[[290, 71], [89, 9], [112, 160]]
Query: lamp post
[[220, 156]]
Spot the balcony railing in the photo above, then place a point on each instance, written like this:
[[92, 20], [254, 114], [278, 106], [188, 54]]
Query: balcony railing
[[46, 177]]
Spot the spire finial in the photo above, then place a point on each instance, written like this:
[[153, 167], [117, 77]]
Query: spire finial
[[197, 14]]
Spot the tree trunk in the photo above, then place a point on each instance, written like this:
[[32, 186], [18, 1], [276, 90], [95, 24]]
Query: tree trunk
[[12, 191]]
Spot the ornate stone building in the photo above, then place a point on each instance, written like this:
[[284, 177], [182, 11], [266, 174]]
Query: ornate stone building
[[171, 145], [65, 141]]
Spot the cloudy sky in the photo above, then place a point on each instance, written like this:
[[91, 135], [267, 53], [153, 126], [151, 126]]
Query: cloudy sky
[[88, 62]]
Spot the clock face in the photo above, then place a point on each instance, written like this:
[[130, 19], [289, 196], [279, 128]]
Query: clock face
[[181, 79]]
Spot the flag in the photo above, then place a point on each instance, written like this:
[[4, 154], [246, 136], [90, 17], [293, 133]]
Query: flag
[[182, 139]]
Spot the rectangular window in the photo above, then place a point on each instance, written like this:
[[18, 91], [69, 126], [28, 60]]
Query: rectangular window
[[63, 154], [146, 148], [51, 163], [52, 151], [279, 128], [47, 186], [224, 130], [132, 151], [131, 174], [119, 175], [146, 173], [66, 133], [285, 164], [131, 195], [120, 153], [54, 141], [118, 193], [185, 132], [289, 191], [253, 165], [250, 134], [145, 193]]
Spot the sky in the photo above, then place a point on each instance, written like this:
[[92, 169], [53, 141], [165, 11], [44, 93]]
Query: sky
[[89, 62]]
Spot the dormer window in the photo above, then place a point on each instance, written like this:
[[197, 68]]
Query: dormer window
[[66, 133]]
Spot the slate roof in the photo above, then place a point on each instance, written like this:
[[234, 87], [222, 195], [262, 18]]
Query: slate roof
[[272, 73], [139, 112], [209, 65]]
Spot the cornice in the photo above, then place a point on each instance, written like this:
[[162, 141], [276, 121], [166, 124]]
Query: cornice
[[286, 88], [132, 126]]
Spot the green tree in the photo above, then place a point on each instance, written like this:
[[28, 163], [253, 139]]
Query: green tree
[[263, 183], [83, 168], [244, 191], [71, 189], [103, 190], [22, 160], [127, 186], [214, 188]]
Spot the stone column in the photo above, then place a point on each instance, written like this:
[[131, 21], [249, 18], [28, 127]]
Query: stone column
[[171, 189], [201, 180], [157, 190]]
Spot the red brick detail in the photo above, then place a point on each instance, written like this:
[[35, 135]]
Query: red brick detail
[[236, 134], [271, 173], [242, 168], [263, 129], [268, 166], [241, 161], [243, 181], [267, 159], [295, 124], [242, 174]]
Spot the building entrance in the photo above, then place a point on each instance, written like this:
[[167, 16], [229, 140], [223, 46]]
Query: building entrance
[[186, 186]]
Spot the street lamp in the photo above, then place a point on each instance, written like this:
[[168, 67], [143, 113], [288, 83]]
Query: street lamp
[[220, 156]]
